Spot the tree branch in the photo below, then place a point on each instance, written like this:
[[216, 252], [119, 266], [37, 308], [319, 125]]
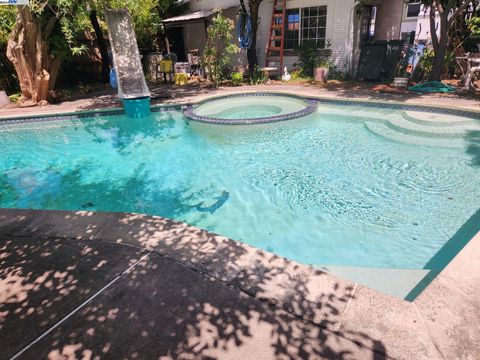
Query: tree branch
[[242, 4], [458, 12]]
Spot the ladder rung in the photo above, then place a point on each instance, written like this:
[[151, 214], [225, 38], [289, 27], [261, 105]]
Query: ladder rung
[[278, 27], [275, 37], [277, 15]]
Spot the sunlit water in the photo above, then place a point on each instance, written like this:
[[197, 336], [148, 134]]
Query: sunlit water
[[249, 107], [321, 190]]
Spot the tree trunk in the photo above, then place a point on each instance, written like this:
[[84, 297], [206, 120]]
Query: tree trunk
[[28, 51], [102, 46], [252, 50], [439, 43], [253, 6]]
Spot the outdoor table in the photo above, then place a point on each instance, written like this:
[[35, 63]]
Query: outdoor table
[[266, 70]]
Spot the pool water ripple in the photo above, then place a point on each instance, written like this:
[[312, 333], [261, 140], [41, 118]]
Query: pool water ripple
[[321, 190]]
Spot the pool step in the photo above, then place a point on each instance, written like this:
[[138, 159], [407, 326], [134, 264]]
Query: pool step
[[381, 278], [439, 120], [405, 125], [389, 131]]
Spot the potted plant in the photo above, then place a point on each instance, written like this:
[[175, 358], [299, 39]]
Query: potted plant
[[314, 62], [322, 68], [320, 72]]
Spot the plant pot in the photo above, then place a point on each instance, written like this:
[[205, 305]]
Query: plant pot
[[400, 82], [320, 74]]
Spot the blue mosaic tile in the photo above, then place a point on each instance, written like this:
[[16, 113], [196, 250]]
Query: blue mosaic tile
[[188, 111]]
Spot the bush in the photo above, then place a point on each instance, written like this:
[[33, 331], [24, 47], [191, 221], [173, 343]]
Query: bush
[[295, 75], [257, 76], [237, 78], [335, 74], [422, 72], [219, 50], [310, 57]]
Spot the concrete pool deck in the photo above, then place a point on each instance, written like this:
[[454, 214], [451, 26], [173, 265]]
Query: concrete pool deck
[[85, 284], [171, 94]]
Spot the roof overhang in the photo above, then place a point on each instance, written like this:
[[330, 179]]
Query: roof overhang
[[196, 16]]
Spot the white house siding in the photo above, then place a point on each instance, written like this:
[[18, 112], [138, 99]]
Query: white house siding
[[339, 29], [389, 19], [339, 26]]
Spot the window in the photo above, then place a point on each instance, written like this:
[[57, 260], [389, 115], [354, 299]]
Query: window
[[305, 24], [292, 29], [413, 8]]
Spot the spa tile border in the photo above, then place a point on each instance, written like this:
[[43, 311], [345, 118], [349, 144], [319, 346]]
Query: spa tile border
[[311, 106]]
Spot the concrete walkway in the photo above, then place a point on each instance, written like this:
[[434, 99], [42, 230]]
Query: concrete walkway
[[86, 298], [172, 94], [114, 285]]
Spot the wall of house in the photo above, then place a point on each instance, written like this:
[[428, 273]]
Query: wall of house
[[389, 19], [339, 27], [194, 36], [339, 30]]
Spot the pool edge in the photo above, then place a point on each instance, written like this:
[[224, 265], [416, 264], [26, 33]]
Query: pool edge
[[178, 105], [418, 329]]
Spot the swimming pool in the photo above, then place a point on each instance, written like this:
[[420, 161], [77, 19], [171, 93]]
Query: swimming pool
[[348, 187]]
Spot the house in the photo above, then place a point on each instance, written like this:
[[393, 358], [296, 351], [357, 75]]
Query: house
[[344, 24], [416, 22]]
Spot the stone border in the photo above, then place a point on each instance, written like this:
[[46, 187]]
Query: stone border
[[181, 105], [311, 106], [443, 322]]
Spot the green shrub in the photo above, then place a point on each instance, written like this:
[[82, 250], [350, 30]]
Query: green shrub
[[309, 57], [257, 76], [295, 75], [219, 50], [237, 78], [15, 97], [335, 74]]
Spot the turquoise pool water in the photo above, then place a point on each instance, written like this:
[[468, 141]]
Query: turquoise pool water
[[248, 107], [346, 186]]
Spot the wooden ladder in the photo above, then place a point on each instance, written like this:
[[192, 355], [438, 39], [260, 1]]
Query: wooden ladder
[[274, 57]]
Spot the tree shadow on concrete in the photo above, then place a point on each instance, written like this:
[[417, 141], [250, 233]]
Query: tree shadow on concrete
[[160, 94], [42, 280], [200, 295]]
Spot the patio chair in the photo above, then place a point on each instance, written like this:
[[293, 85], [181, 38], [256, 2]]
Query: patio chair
[[194, 61]]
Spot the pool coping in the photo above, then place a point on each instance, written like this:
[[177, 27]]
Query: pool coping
[[443, 322], [180, 105]]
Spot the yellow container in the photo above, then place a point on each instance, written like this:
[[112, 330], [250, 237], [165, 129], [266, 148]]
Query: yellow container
[[166, 66], [181, 79]]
